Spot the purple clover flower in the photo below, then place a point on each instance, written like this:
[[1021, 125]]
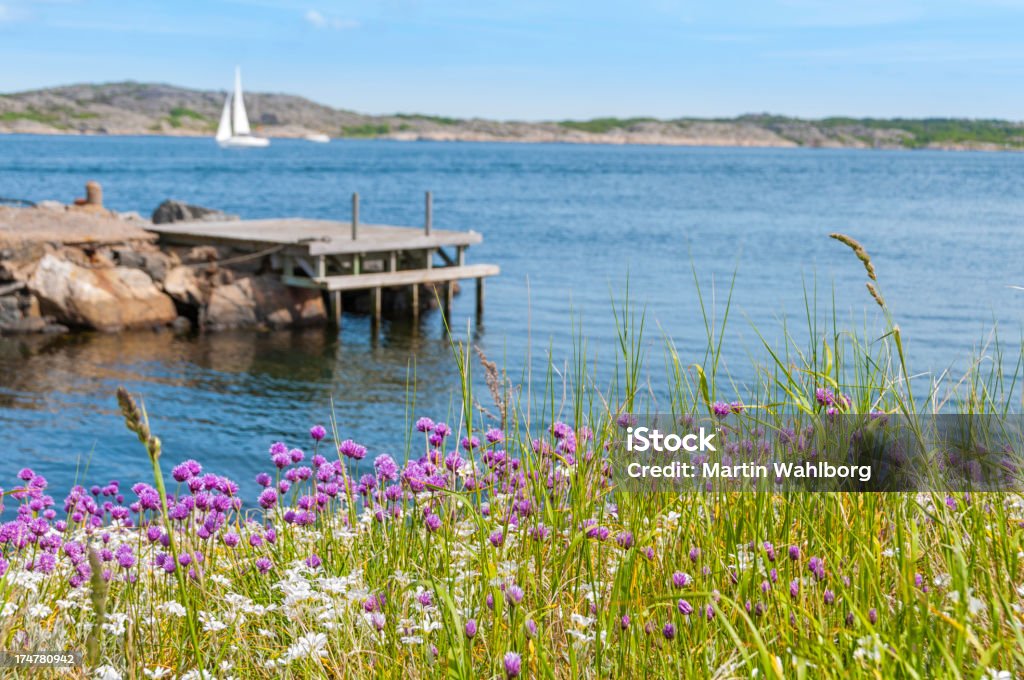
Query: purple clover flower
[[721, 409], [513, 664], [317, 432], [350, 449]]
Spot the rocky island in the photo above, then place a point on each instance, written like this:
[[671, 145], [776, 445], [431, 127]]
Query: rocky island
[[131, 108]]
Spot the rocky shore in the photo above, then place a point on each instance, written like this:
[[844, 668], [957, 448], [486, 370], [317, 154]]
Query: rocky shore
[[79, 266]]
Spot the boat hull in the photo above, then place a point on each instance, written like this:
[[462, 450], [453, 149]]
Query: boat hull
[[243, 142]]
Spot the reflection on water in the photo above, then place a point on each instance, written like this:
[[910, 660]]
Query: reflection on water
[[221, 398]]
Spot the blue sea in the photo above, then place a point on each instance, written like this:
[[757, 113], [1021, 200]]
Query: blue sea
[[569, 226]]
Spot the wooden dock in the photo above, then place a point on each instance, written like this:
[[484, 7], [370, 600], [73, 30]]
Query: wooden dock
[[337, 256]]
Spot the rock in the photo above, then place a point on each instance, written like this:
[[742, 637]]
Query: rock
[[176, 211], [202, 254], [182, 284], [258, 300], [10, 309], [156, 265], [231, 306], [181, 325], [128, 257], [23, 326], [104, 299], [51, 205]]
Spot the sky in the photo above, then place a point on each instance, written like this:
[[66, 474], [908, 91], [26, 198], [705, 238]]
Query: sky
[[544, 59]]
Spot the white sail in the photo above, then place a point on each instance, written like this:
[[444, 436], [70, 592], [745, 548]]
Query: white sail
[[239, 121], [224, 128], [233, 130]]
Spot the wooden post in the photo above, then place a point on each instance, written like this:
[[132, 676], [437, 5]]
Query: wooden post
[[376, 305], [355, 215], [479, 299], [336, 306], [429, 221], [460, 256], [449, 292], [415, 298]]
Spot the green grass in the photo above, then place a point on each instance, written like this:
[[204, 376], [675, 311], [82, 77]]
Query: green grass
[[30, 114], [366, 130], [440, 120], [180, 114], [603, 125]]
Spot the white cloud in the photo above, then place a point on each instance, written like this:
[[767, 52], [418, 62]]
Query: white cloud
[[318, 20]]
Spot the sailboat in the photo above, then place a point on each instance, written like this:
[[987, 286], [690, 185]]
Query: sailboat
[[233, 130]]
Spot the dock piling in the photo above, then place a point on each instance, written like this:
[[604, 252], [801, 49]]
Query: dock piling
[[336, 306], [428, 223], [479, 299], [376, 305], [355, 215]]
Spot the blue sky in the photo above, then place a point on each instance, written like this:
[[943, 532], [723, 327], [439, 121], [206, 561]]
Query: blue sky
[[533, 59]]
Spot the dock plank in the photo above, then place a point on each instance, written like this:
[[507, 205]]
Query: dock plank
[[316, 237], [400, 278]]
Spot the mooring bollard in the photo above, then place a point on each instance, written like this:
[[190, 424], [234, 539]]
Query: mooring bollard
[[428, 223], [355, 215], [93, 193]]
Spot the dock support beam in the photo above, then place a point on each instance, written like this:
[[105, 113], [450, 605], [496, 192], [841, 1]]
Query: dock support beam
[[449, 292], [415, 301], [479, 299], [355, 215], [336, 306], [375, 299], [428, 223]]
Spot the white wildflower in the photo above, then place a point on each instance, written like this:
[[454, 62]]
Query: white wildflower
[[106, 673], [156, 673], [309, 645], [38, 611], [211, 623], [173, 608], [116, 623]]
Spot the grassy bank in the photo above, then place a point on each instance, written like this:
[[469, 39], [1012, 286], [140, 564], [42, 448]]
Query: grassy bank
[[499, 546]]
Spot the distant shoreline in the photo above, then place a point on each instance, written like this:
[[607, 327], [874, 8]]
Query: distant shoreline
[[481, 139], [154, 109]]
